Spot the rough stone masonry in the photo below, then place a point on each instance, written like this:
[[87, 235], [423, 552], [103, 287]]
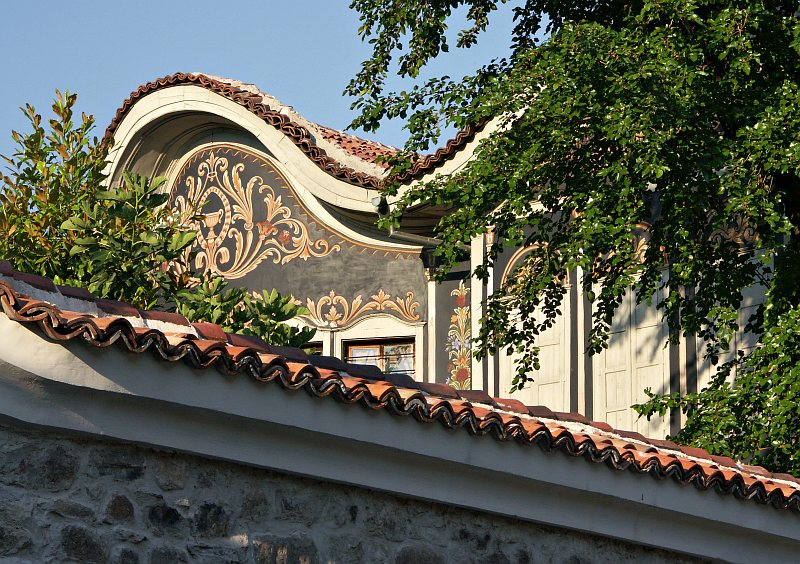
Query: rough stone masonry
[[70, 499]]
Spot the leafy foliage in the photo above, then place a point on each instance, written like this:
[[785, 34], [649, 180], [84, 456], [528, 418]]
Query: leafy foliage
[[755, 415], [124, 243], [129, 243], [47, 184], [674, 121], [262, 315]]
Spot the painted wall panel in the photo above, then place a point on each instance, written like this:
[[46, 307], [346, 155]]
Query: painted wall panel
[[752, 298], [635, 359], [550, 385], [454, 330], [257, 232]]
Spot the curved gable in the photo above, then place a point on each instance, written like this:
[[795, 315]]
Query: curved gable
[[256, 227], [343, 156], [254, 102]]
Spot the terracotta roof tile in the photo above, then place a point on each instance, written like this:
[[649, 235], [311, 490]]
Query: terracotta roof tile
[[379, 389], [786, 477], [329, 362], [478, 396], [759, 470], [534, 428], [100, 325], [484, 414], [207, 346], [69, 316], [356, 146], [559, 433], [541, 411], [512, 405], [178, 339], [363, 149], [210, 331], [426, 164], [115, 307], [248, 341], [36, 281], [663, 443], [644, 459], [602, 425], [723, 460], [693, 451], [567, 416], [435, 389], [435, 401], [688, 465], [291, 353], [402, 380], [667, 459], [78, 293], [237, 352], [572, 436], [785, 490], [145, 331], [165, 316], [254, 102], [368, 371], [631, 435]]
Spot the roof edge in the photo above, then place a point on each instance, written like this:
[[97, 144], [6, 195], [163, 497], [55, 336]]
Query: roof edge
[[202, 346], [254, 423], [255, 101]]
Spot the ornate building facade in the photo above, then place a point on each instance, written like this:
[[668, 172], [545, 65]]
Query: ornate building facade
[[291, 205]]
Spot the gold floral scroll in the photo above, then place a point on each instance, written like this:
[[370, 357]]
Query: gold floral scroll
[[334, 310], [740, 232], [234, 239]]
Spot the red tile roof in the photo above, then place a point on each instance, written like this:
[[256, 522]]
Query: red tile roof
[[363, 149], [203, 345], [430, 162], [301, 137]]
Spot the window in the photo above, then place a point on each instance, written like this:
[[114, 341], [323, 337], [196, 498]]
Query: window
[[313, 348], [390, 355]]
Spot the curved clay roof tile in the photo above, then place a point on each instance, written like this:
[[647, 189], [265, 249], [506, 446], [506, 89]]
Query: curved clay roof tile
[[302, 132], [568, 434]]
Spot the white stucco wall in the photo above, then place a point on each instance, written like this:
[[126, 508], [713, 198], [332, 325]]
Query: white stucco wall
[[115, 394]]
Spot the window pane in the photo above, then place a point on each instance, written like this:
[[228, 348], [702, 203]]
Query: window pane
[[389, 355], [365, 354], [399, 358]]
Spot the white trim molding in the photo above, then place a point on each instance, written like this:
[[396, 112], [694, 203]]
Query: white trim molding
[[175, 100]]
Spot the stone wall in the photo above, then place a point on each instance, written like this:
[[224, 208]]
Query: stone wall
[[65, 499]]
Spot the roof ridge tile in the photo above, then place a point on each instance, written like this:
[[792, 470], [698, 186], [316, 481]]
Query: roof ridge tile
[[301, 135]]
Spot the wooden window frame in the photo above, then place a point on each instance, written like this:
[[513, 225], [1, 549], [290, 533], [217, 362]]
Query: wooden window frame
[[354, 344]]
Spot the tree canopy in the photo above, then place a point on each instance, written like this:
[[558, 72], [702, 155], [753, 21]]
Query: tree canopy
[[61, 220], [673, 123]]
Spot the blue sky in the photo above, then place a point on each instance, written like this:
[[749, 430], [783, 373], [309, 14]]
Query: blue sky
[[303, 52]]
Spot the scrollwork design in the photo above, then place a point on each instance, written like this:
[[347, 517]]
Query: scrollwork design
[[740, 232], [334, 310], [278, 237]]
